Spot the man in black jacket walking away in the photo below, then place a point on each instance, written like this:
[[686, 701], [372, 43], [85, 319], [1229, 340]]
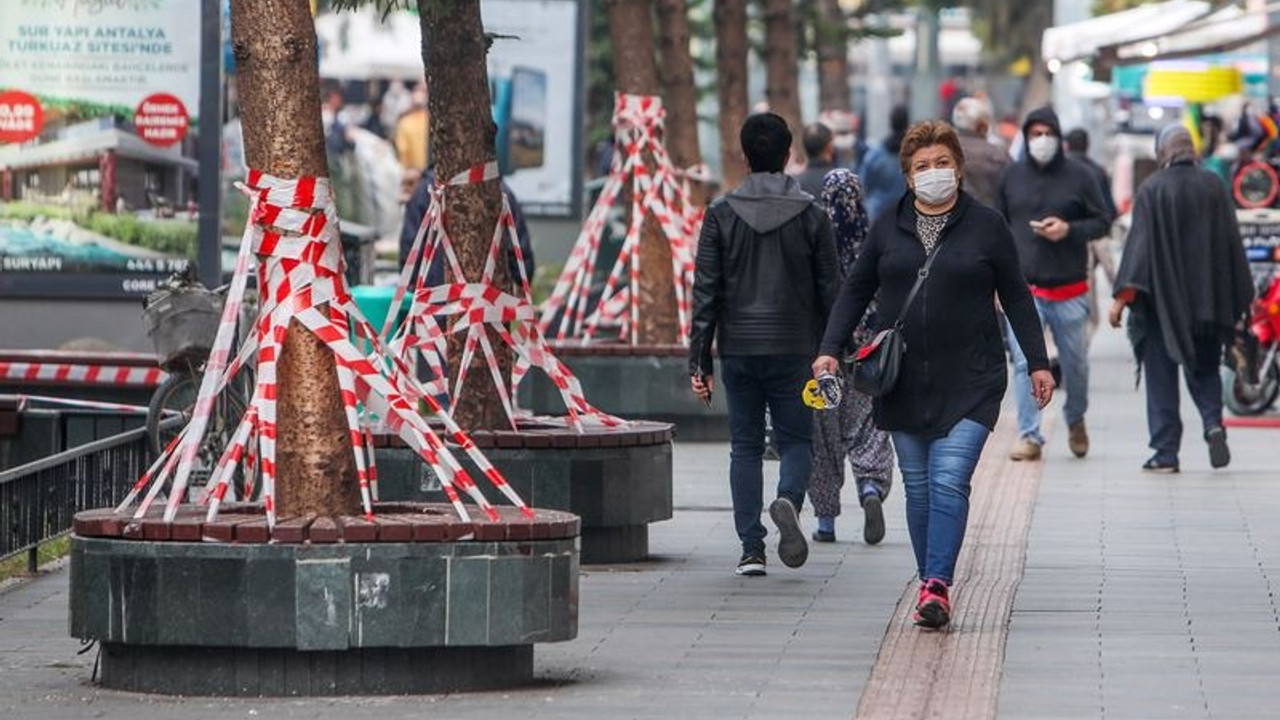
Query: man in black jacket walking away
[[766, 279], [1054, 207]]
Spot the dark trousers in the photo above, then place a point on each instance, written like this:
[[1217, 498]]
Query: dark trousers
[[1164, 419], [752, 383]]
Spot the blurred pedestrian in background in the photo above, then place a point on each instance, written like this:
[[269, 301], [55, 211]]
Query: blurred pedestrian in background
[[880, 172], [983, 160]]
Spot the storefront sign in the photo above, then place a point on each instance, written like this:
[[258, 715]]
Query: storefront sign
[[161, 119]]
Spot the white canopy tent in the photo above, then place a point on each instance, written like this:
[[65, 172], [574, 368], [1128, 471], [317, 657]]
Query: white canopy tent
[[358, 45], [1081, 40]]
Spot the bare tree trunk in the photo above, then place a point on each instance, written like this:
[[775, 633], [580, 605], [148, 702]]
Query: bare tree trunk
[[275, 49], [680, 96], [783, 70], [636, 70], [832, 35], [463, 133], [731, 71]]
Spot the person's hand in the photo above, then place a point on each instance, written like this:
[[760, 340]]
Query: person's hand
[[1053, 229], [703, 386], [1117, 312], [1042, 387], [826, 364]]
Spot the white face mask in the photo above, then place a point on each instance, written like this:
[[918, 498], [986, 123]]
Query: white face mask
[[935, 187], [1043, 148]]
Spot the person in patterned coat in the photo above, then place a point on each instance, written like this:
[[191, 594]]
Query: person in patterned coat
[[849, 431]]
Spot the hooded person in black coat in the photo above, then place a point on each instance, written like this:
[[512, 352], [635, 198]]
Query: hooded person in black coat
[[1054, 207], [1186, 280]]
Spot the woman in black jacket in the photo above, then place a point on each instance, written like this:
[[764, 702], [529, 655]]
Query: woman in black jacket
[[953, 377]]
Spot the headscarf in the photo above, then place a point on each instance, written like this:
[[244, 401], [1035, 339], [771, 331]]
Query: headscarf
[[842, 199], [1174, 144]]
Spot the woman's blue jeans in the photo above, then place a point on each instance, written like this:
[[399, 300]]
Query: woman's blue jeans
[[935, 480]]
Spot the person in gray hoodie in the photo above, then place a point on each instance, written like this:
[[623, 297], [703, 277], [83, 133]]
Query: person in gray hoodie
[[766, 277]]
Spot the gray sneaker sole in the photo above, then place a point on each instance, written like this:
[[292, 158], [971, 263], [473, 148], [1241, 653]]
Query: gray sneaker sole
[[1219, 453], [793, 549]]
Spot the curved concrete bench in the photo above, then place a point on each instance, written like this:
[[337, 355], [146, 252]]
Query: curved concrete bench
[[327, 606], [617, 480]]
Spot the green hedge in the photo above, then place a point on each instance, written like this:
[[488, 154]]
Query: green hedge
[[176, 237]]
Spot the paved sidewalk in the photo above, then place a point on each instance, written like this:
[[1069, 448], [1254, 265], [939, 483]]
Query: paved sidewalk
[[680, 637], [1148, 596]]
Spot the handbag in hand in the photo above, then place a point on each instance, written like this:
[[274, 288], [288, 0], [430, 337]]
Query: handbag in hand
[[877, 364]]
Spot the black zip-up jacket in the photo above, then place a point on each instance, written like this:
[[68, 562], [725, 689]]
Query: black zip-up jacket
[[766, 273], [954, 366], [1062, 188]]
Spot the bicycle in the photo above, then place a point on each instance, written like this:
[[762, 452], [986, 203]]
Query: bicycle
[[182, 318]]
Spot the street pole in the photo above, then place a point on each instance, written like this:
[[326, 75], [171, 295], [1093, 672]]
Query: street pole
[[924, 82], [208, 146]]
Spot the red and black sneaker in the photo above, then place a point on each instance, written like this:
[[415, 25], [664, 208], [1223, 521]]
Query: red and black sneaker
[[934, 608]]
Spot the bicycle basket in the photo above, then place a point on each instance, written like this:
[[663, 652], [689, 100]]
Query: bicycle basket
[[182, 323]]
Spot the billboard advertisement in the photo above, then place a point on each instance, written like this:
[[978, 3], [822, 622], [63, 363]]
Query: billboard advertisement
[[535, 76], [99, 103]]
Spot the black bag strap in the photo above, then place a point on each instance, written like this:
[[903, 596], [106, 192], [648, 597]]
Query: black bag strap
[[921, 276]]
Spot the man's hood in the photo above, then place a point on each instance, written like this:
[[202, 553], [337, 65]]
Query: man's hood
[[1047, 116], [767, 201]]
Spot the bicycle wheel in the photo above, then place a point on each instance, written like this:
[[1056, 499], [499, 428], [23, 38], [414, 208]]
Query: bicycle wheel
[[176, 398]]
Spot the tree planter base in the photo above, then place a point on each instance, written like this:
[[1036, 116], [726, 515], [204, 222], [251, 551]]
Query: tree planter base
[[333, 606], [617, 480], [261, 672], [642, 382]]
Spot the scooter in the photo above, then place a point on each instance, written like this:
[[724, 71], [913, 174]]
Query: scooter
[[1252, 383]]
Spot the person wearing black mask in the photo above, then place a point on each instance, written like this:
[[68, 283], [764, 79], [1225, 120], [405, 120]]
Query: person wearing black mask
[[1186, 278], [1054, 207]]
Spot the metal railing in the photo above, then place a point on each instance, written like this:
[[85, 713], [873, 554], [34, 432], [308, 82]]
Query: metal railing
[[38, 500]]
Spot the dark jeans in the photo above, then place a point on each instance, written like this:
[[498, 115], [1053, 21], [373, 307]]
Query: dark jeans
[[752, 382], [936, 475], [1164, 418]]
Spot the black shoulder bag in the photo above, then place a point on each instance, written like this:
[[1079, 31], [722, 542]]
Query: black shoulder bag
[[876, 365]]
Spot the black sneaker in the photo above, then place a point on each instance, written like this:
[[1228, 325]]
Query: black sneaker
[[1160, 467], [1219, 453], [873, 519], [793, 549], [751, 564]]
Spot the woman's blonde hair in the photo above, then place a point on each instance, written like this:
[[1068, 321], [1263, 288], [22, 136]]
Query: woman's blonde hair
[[927, 134]]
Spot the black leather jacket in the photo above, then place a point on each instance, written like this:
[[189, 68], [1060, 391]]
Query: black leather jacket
[[766, 275]]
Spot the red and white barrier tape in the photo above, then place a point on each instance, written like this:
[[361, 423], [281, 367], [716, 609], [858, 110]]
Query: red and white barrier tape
[[661, 192], [467, 308], [81, 374], [293, 228]]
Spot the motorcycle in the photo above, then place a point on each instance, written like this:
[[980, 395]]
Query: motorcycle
[[1251, 383]]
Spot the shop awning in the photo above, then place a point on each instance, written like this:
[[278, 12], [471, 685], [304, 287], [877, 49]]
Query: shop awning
[[88, 147], [1225, 30], [1083, 40]]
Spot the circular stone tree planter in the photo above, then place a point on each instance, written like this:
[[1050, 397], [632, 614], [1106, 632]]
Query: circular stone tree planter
[[617, 480], [327, 606], [637, 382]]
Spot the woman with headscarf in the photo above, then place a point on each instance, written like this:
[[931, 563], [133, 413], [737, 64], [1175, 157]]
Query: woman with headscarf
[[849, 430], [1186, 280]]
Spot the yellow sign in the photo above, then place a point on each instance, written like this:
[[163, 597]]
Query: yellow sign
[[1194, 86]]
